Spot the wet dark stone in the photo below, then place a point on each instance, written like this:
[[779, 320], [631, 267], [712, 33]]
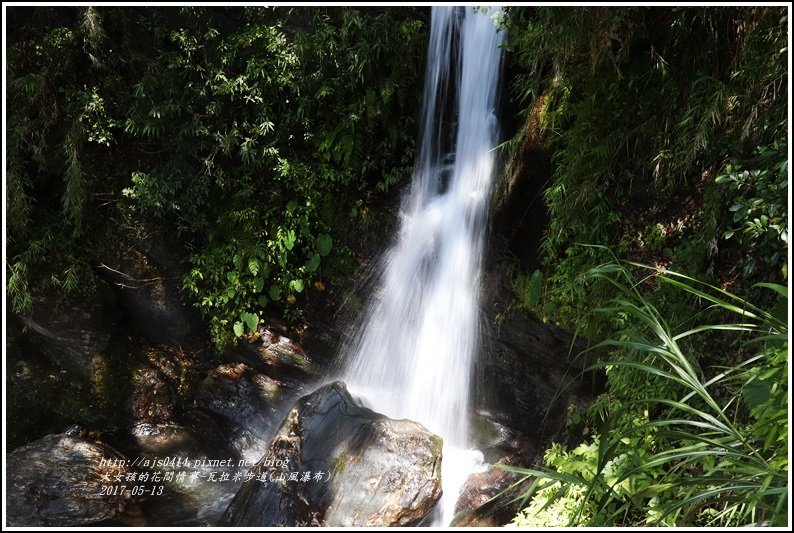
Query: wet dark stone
[[153, 400], [527, 373], [376, 471], [241, 396], [72, 332], [58, 479], [273, 353], [476, 505], [163, 438], [148, 282]]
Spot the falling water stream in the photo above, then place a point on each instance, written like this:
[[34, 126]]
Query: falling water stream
[[413, 355]]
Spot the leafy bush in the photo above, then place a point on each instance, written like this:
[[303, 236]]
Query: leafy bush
[[51, 127], [641, 109], [760, 213], [687, 445], [265, 126], [667, 129], [255, 135]]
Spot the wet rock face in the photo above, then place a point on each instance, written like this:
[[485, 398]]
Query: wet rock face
[[245, 404], [278, 356], [524, 362], [148, 282], [374, 471], [74, 332], [379, 485], [58, 481], [242, 397], [153, 400]]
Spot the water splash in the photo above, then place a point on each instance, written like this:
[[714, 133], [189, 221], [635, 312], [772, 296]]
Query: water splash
[[413, 355]]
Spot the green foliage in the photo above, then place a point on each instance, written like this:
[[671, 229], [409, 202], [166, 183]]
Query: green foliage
[[264, 126], [257, 136], [667, 129], [642, 108], [248, 321], [324, 244], [653, 237], [532, 290], [760, 213], [47, 180], [531, 296], [691, 446]]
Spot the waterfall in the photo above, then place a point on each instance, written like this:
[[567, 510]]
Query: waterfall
[[413, 355]]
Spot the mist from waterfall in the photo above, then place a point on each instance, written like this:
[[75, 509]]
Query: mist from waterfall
[[414, 353]]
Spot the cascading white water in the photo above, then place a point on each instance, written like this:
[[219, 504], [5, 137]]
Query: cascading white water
[[413, 356]]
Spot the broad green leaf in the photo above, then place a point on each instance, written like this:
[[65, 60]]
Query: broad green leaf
[[253, 266], [289, 239], [275, 292], [313, 263], [258, 283], [251, 320], [756, 393], [238, 329], [324, 244], [296, 285]]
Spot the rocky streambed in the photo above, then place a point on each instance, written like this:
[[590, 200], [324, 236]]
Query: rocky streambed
[[202, 439]]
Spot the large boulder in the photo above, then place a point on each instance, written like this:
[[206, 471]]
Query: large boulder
[[335, 463], [62, 480]]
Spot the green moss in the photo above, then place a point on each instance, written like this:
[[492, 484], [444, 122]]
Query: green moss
[[352, 302], [271, 391], [340, 464], [436, 445]]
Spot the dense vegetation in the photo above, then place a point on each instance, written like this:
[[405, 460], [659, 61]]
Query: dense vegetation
[[259, 137], [667, 129], [256, 135]]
